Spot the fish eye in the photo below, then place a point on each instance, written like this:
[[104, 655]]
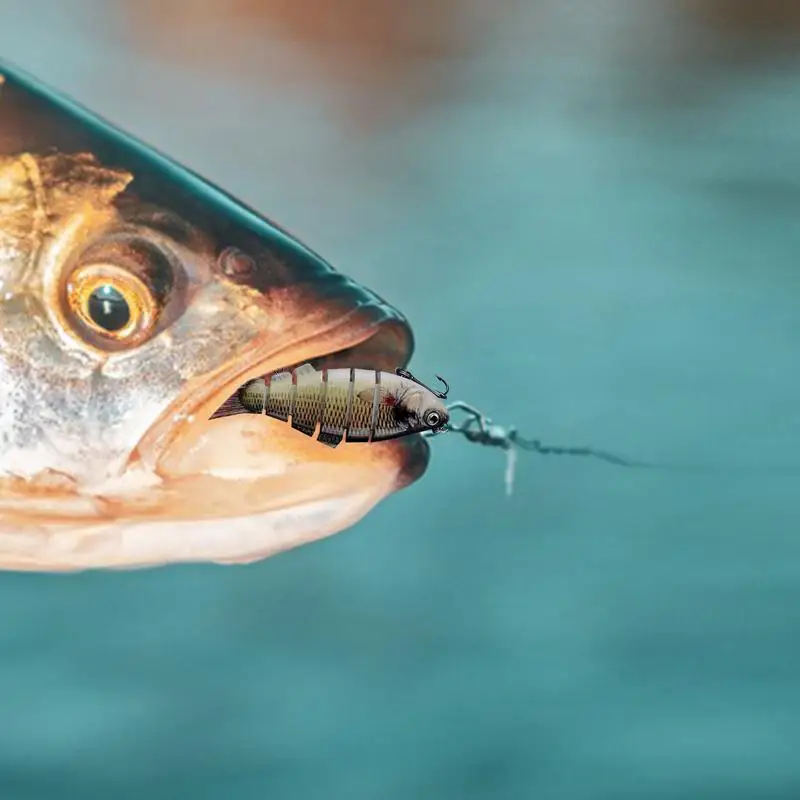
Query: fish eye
[[113, 305], [432, 419]]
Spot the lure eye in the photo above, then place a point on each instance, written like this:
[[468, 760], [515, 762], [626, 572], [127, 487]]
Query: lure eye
[[112, 305], [432, 419]]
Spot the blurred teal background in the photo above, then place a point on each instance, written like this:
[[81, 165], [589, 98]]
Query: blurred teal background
[[589, 211]]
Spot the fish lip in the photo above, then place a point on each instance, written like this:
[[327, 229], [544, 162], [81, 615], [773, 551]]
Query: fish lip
[[192, 408]]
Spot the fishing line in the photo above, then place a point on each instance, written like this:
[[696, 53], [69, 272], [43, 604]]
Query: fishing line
[[479, 429], [536, 446]]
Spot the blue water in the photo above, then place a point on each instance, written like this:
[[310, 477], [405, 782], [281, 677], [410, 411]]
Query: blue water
[[592, 223]]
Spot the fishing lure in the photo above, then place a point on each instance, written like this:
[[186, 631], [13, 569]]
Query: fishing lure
[[363, 405], [357, 405]]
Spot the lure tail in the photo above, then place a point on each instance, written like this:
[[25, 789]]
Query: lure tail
[[231, 407]]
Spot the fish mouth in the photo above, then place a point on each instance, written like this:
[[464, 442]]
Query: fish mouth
[[171, 447], [252, 465], [231, 490]]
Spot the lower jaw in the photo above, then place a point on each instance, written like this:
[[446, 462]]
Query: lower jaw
[[246, 464], [212, 515], [136, 543]]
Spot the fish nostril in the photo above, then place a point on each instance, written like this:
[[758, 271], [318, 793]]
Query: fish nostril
[[236, 264]]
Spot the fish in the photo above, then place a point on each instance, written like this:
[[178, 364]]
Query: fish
[[135, 298], [358, 405]]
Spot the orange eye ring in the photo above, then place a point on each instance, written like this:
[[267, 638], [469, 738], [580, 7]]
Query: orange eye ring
[[113, 304]]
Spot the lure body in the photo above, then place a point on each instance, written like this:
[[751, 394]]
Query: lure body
[[357, 405]]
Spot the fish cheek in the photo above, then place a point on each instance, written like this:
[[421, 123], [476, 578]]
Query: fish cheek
[[221, 324], [52, 415]]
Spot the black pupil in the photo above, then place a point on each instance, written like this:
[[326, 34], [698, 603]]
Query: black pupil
[[108, 308]]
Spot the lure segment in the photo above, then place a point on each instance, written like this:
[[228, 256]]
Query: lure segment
[[355, 405]]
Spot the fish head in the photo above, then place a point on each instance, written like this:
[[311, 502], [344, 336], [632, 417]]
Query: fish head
[[135, 297], [422, 410]]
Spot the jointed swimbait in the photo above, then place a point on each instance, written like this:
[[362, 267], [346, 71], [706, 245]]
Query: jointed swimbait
[[358, 405]]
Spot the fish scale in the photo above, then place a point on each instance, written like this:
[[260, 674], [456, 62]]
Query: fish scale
[[359, 428], [386, 421], [336, 414], [308, 400], [279, 403]]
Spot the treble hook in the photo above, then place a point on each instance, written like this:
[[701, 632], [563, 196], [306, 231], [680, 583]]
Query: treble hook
[[404, 373]]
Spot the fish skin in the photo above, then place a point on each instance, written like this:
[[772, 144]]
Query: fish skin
[[107, 458]]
